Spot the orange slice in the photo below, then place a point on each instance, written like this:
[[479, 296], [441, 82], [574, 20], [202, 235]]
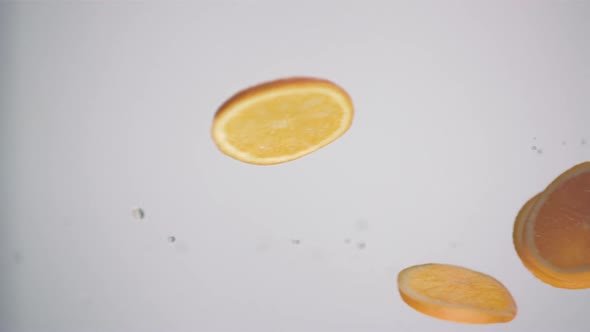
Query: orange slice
[[552, 231], [523, 251], [282, 120], [456, 294], [517, 236]]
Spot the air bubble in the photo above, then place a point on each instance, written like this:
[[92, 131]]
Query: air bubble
[[138, 213], [172, 239]]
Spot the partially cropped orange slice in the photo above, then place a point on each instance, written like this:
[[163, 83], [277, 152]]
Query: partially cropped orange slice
[[523, 250], [282, 120], [518, 238], [552, 231], [456, 294]]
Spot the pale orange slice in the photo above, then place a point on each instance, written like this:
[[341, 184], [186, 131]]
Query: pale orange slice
[[552, 231], [456, 294], [282, 120]]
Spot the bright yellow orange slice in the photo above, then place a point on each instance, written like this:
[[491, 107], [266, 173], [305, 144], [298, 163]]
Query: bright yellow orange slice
[[282, 120], [552, 231], [456, 294]]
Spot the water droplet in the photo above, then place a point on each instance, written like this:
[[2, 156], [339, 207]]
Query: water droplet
[[535, 138], [563, 143], [361, 245], [533, 147], [171, 239], [138, 213], [347, 241], [539, 151], [583, 141], [296, 241]]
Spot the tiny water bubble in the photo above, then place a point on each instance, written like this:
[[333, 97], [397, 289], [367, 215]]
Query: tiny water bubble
[[295, 241], [347, 240], [539, 151], [138, 213], [583, 141], [361, 245], [533, 147], [172, 239]]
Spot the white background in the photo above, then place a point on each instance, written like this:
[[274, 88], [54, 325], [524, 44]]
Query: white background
[[106, 106]]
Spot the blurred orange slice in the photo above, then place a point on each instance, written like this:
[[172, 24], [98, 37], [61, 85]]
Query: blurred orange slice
[[552, 231], [282, 120], [456, 294]]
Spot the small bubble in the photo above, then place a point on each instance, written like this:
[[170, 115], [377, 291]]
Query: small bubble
[[171, 239], [361, 245], [296, 241], [535, 138], [539, 151], [533, 147], [138, 213], [563, 142], [583, 141], [347, 241]]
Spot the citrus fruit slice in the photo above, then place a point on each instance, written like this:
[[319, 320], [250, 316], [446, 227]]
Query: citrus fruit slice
[[518, 237], [456, 294], [522, 250], [552, 231], [282, 120]]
